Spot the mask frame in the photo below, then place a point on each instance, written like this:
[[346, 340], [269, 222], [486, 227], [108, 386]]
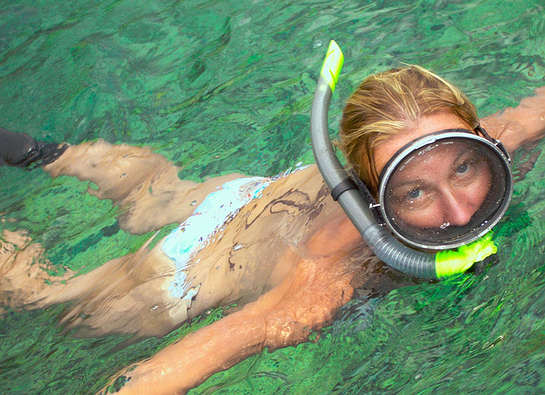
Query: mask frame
[[391, 166]]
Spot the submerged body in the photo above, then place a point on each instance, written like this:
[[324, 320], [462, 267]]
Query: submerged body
[[216, 257], [287, 255]]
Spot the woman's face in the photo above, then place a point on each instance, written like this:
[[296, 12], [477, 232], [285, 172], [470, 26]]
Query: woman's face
[[442, 187]]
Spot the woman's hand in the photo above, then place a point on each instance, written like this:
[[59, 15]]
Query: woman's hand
[[520, 125]]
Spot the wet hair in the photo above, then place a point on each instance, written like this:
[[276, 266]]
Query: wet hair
[[390, 102]]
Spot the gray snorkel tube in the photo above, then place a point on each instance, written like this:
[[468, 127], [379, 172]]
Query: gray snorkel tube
[[388, 249]]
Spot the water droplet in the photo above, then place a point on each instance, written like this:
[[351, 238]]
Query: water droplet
[[444, 225]]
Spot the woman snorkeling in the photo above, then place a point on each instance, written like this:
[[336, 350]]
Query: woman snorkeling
[[281, 248]]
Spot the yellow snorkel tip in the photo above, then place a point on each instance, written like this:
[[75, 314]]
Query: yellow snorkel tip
[[451, 262], [332, 65]]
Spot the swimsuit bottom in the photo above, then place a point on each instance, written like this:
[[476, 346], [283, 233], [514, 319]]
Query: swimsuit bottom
[[208, 219]]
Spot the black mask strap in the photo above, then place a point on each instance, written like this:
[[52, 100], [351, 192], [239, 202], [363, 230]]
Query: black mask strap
[[480, 130]]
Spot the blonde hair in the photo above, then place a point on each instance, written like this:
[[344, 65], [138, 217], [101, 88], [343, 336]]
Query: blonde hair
[[389, 102]]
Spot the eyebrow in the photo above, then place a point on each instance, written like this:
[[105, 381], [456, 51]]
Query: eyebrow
[[417, 182], [470, 151], [421, 181]]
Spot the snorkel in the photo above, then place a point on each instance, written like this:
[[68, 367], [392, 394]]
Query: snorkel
[[357, 206]]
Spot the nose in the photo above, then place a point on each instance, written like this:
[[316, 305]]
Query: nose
[[457, 209]]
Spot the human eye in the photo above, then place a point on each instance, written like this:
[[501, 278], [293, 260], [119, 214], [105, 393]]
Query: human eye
[[463, 168], [414, 194], [411, 197], [466, 166]]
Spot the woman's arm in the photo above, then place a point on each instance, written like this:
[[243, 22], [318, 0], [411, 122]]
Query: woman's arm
[[520, 125], [284, 316], [304, 301]]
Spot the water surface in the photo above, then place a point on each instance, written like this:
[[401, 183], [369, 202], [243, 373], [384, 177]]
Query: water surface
[[219, 87]]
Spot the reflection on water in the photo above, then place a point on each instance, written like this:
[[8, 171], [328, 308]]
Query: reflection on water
[[226, 87]]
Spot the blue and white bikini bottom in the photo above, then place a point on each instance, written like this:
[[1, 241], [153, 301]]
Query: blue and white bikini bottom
[[208, 218]]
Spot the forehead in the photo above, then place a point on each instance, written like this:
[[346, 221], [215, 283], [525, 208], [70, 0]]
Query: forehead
[[432, 161], [425, 125]]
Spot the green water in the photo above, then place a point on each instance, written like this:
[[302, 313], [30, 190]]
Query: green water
[[223, 86]]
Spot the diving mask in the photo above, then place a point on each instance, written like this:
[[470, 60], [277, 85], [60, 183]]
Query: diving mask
[[445, 189]]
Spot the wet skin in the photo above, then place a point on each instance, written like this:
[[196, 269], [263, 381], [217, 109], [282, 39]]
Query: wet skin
[[455, 183], [314, 279], [441, 187]]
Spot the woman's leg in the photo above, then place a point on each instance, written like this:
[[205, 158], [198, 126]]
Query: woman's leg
[[125, 295], [144, 184], [23, 270]]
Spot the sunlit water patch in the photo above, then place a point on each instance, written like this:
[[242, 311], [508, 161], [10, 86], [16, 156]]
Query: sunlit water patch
[[219, 87]]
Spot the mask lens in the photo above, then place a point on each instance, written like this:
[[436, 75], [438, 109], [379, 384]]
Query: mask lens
[[446, 193]]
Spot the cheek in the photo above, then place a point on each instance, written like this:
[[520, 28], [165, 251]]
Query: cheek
[[430, 217], [477, 191]]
